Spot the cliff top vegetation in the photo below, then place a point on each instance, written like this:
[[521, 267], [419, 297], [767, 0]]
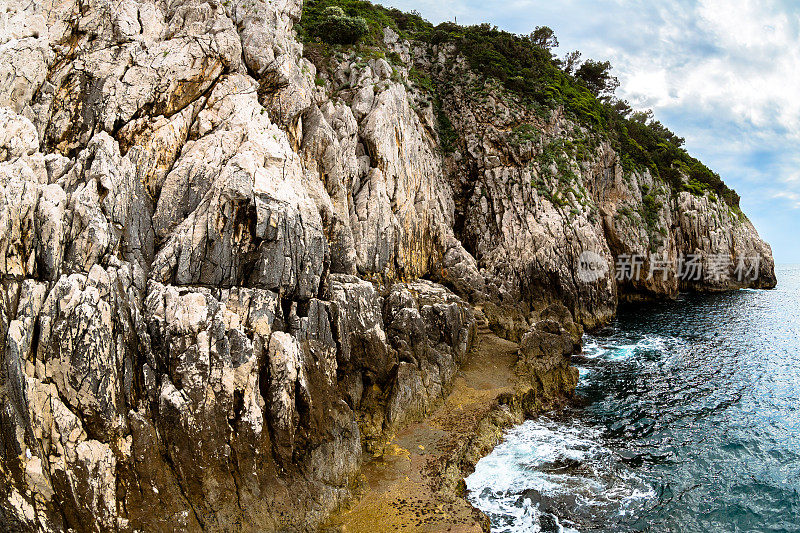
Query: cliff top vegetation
[[526, 66]]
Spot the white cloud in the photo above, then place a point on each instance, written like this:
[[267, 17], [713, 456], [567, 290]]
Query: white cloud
[[738, 58], [793, 197]]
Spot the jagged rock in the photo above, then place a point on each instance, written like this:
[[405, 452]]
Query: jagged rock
[[210, 265], [331, 153], [544, 359], [273, 55], [101, 189], [256, 224], [183, 51], [399, 353], [24, 53], [432, 330], [241, 403], [77, 349], [708, 228], [359, 322], [528, 220], [69, 391], [392, 209]]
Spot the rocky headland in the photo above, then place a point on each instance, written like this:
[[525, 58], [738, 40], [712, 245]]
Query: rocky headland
[[240, 265]]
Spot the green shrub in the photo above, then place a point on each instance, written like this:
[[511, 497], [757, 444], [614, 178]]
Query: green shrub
[[422, 80], [695, 187], [651, 208], [627, 212], [447, 134], [335, 27], [355, 21], [525, 133], [557, 152]]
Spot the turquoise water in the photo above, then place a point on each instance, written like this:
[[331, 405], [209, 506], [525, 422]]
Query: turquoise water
[[689, 420]]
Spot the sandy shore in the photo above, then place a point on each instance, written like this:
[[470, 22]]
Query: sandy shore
[[417, 484]]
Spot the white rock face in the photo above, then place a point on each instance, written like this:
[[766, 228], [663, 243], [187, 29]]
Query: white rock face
[[536, 192], [215, 272]]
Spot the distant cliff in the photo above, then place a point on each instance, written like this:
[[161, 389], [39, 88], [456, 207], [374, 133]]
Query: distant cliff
[[230, 269]]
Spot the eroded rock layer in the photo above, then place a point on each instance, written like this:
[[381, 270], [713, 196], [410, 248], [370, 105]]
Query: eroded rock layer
[[225, 283]]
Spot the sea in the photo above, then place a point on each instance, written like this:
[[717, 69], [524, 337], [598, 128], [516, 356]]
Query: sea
[[687, 419]]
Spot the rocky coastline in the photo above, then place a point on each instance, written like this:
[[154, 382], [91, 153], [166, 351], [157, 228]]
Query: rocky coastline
[[236, 271]]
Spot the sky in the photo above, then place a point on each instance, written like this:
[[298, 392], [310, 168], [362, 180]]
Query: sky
[[724, 74]]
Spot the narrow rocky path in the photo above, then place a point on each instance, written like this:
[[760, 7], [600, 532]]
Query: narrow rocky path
[[401, 487]]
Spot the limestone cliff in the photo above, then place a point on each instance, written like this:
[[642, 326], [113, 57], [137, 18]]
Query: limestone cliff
[[227, 275]]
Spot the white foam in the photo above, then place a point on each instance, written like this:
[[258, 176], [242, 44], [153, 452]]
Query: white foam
[[558, 463], [621, 349], [561, 465]]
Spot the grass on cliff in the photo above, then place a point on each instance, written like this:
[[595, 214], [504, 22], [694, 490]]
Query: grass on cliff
[[525, 68], [317, 26]]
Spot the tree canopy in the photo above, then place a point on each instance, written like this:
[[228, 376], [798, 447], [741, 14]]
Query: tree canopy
[[544, 37], [597, 77]]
